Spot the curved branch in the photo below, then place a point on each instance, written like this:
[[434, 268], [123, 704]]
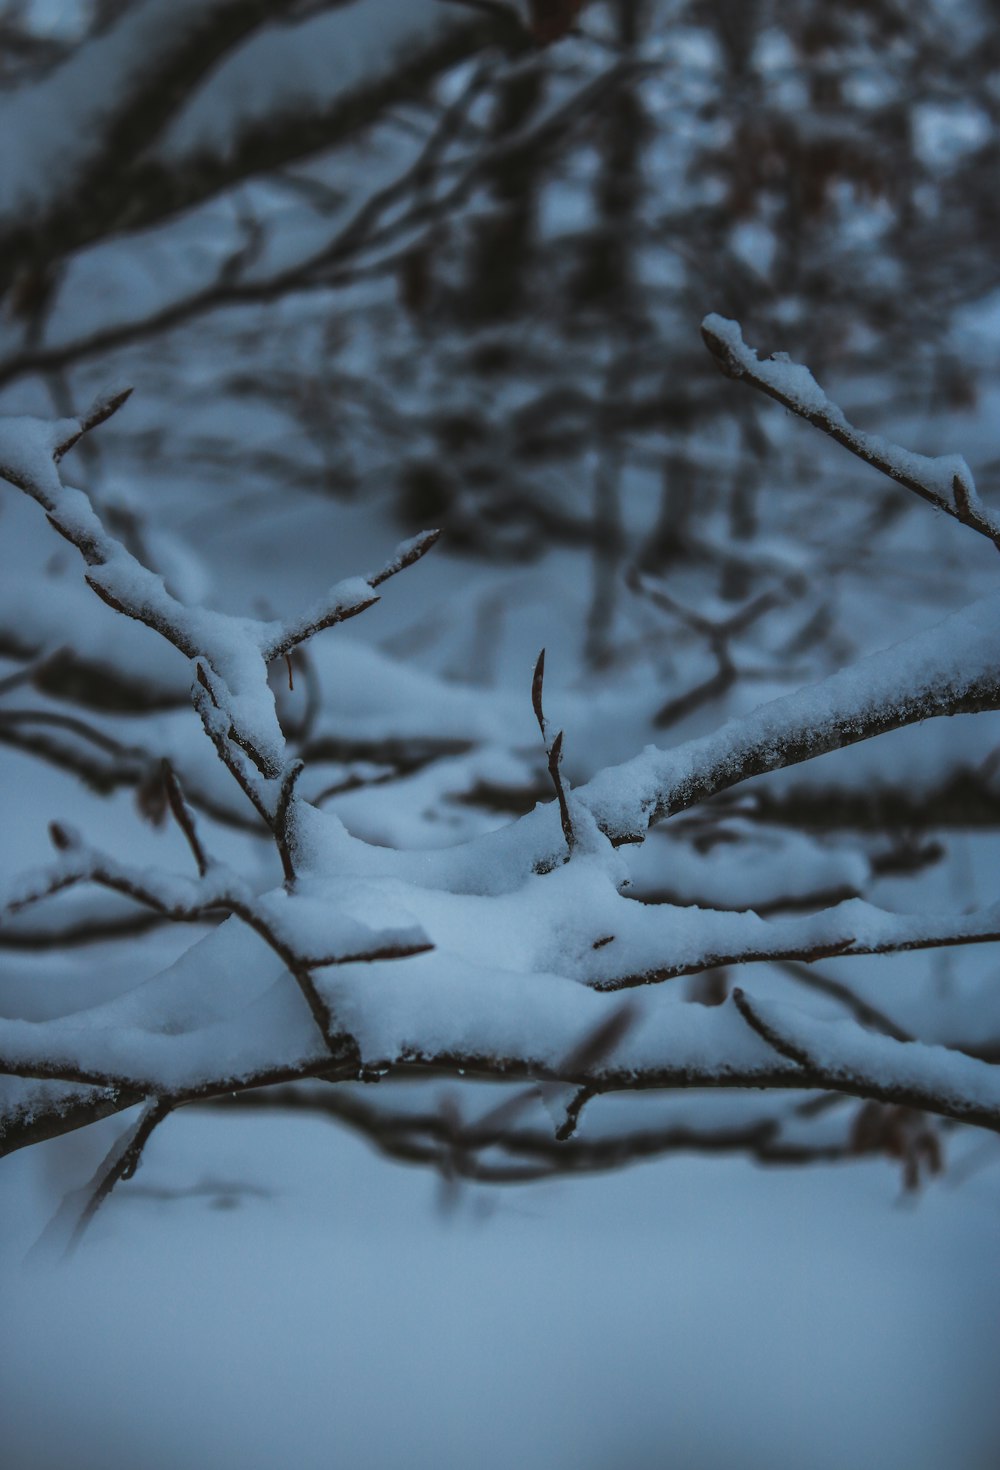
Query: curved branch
[[951, 669], [841, 1057], [946, 482]]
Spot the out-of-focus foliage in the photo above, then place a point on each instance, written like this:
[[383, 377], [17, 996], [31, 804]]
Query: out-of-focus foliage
[[527, 302]]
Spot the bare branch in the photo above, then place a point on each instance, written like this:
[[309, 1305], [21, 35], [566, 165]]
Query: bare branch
[[359, 250], [184, 817], [554, 754], [121, 1163]]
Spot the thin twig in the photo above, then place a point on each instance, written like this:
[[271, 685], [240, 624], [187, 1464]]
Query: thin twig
[[405, 555], [862, 1082], [736, 360], [67, 1229], [553, 753], [100, 411], [567, 1128], [860, 1009], [282, 816], [184, 817]]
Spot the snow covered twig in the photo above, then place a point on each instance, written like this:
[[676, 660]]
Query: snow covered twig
[[945, 481]]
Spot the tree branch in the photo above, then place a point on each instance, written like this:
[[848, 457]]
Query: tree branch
[[946, 482]]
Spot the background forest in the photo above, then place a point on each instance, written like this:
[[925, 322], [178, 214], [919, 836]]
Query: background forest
[[372, 267]]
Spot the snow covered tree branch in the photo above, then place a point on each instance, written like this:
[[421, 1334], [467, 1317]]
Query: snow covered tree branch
[[945, 481], [498, 957], [146, 129]]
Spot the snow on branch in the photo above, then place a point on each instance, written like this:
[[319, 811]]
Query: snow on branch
[[852, 1059], [336, 937], [231, 654], [944, 480], [951, 669], [177, 100], [377, 238], [348, 598], [498, 957], [699, 940]]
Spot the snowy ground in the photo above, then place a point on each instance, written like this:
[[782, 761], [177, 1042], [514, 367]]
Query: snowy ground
[[266, 1292]]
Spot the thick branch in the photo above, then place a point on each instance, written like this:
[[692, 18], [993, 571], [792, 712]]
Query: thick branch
[[951, 669]]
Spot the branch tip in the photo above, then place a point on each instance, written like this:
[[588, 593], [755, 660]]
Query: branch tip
[[537, 682], [722, 353], [919, 473], [553, 753], [63, 839], [406, 554], [103, 408]]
